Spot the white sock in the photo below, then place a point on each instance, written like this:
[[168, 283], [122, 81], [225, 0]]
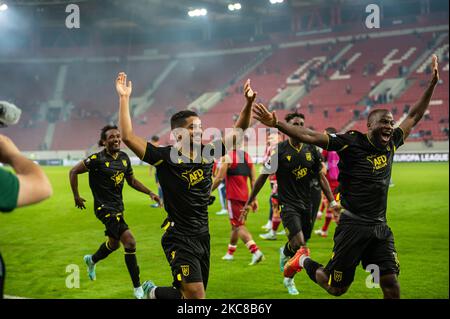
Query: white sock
[[151, 294], [302, 260]]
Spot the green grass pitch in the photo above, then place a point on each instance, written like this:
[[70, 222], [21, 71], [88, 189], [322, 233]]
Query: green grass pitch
[[39, 242]]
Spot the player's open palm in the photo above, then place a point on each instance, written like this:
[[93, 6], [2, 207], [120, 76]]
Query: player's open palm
[[122, 87], [250, 95], [435, 68], [79, 202], [262, 114]]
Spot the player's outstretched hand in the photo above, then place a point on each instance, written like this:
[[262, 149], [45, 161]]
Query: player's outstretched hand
[[79, 203], [435, 68], [156, 198], [250, 95], [122, 87], [262, 114]]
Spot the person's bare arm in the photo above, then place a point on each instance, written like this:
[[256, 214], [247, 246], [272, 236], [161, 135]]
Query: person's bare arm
[[221, 173], [253, 179], [34, 185], [418, 110], [137, 185], [333, 205], [136, 143], [243, 122], [304, 135], [80, 168], [260, 181]]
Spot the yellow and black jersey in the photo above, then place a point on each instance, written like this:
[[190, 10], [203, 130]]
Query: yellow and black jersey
[[106, 179], [296, 167], [186, 185], [364, 173]]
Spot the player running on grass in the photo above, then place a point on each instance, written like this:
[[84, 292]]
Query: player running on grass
[[107, 171], [185, 174], [365, 166], [297, 163], [236, 167]]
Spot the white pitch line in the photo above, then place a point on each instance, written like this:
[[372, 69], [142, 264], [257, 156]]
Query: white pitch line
[[14, 297]]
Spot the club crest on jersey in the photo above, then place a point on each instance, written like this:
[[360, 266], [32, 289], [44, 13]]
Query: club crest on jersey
[[107, 164], [300, 172], [193, 177], [337, 275], [118, 178], [124, 162], [378, 161], [289, 158], [185, 270], [308, 156]]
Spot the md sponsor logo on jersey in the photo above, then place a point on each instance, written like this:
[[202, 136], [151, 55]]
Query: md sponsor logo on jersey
[[193, 177], [378, 161], [118, 178], [300, 172]]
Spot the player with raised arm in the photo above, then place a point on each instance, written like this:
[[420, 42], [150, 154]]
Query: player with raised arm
[[107, 171], [297, 164], [185, 174], [365, 166]]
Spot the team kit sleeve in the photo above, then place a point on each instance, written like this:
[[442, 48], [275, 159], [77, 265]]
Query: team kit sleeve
[[9, 191], [398, 137], [318, 159], [153, 155], [90, 161], [129, 170], [339, 142]]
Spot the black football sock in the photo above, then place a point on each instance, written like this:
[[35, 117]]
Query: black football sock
[[102, 252], [133, 268], [311, 268], [288, 250], [166, 293]]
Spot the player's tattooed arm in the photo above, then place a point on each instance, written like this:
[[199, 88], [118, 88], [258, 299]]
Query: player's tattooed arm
[[305, 135], [243, 122], [418, 110], [137, 185], [136, 143], [80, 168], [221, 172]]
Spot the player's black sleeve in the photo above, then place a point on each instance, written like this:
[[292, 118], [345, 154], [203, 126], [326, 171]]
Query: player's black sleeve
[[129, 170], [398, 137], [153, 154], [318, 159], [91, 161], [339, 142]]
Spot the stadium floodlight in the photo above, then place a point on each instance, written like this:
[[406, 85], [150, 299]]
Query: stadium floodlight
[[234, 6], [3, 7], [276, 1], [197, 12]]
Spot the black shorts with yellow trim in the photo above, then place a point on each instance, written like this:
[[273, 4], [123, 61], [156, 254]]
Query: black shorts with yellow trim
[[295, 220], [115, 224], [188, 257], [366, 244]]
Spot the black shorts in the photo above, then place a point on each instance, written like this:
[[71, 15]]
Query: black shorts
[[188, 257], [296, 220], [368, 244], [114, 223]]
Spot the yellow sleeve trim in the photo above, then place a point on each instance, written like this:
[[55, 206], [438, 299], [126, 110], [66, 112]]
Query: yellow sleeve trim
[[158, 162]]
